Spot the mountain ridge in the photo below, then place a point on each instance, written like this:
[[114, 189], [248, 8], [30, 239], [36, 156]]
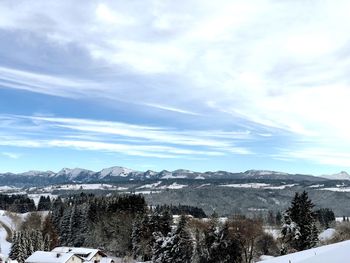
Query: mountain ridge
[[118, 174]]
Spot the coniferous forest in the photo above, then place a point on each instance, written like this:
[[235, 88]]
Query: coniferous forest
[[125, 226]]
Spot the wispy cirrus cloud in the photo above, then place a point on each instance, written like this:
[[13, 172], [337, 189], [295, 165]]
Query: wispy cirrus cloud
[[129, 139], [11, 155], [212, 70]]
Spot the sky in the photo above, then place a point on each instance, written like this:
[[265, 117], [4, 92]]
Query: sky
[[159, 84]]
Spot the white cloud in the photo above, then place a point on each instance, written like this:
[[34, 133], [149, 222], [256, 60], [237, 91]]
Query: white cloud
[[136, 140], [11, 155], [282, 65]]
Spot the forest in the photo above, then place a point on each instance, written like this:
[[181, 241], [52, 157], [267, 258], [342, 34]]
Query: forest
[[125, 226]]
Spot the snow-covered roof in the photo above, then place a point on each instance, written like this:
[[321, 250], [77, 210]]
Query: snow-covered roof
[[85, 253], [48, 257], [334, 253]]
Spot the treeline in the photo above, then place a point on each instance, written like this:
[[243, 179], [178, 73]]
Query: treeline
[[123, 225], [17, 203], [237, 240], [182, 210]]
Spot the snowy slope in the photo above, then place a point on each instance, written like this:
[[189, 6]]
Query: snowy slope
[[334, 253], [339, 176], [4, 245], [115, 171]]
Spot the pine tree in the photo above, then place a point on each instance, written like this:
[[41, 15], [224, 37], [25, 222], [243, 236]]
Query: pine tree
[[65, 228], [177, 247], [136, 238], [301, 217], [47, 243], [228, 249], [14, 247], [50, 233]]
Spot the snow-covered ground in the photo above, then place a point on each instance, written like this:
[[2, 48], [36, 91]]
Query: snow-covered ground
[[336, 189], [84, 187], [327, 234], [334, 253], [4, 245], [259, 186], [154, 185], [275, 232]]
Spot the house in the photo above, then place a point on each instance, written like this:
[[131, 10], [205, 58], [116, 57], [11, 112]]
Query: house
[[87, 254], [53, 257]]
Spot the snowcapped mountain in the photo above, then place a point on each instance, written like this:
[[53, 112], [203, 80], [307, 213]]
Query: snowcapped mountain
[[263, 173], [115, 171], [118, 174], [38, 173], [73, 174], [339, 176]]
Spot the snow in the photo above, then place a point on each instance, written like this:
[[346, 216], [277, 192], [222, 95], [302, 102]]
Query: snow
[[115, 171], [72, 173], [170, 176], [199, 177], [203, 185], [334, 253], [147, 192], [276, 233], [280, 186], [5, 188], [150, 185], [248, 185], [259, 186], [48, 257], [316, 186], [83, 187], [336, 189], [327, 234], [5, 246], [340, 218], [90, 252], [174, 186]]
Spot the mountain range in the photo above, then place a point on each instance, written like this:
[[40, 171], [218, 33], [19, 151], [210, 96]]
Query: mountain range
[[118, 174]]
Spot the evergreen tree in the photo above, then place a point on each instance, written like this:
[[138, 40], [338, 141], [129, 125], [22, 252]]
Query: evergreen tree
[[300, 216], [227, 248], [44, 203], [15, 246], [65, 228], [47, 243], [176, 247], [50, 233]]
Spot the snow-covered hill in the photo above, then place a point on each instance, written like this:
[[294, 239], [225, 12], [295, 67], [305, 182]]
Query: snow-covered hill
[[334, 253], [117, 173], [339, 176]]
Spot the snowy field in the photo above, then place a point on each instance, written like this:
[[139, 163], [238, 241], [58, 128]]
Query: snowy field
[[334, 253], [259, 186], [84, 187]]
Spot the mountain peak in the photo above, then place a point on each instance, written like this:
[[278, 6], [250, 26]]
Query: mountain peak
[[339, 176], [115, 171]]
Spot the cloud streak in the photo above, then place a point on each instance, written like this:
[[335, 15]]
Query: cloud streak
[[209, 76], [129, 139]]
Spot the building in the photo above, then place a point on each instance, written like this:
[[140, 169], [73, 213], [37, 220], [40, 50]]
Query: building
[[53, 257], [87, 254]]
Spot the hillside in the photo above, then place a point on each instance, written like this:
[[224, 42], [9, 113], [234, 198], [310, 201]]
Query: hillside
[[337, 253]]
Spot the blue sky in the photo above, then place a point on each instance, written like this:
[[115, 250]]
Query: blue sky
[[200, 85]]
